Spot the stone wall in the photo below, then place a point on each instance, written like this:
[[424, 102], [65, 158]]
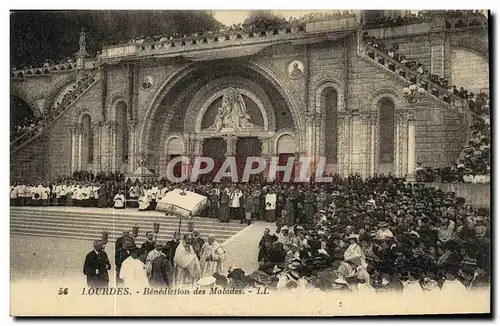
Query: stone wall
[[477, 195], [469, 70]]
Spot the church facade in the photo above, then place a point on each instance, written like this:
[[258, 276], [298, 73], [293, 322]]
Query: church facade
[[315, 90]]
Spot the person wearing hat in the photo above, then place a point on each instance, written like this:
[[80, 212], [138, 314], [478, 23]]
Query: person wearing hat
[[96, 266], [354, 249], [149, 244], [383, 233], [292, 254]]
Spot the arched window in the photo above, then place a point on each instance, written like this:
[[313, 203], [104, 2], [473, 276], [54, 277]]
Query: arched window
[[329, 109], [87, 140], [386, 131], [123, 134]]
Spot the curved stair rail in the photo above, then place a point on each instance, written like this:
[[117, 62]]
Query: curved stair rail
[[408, 76], [65, 104]]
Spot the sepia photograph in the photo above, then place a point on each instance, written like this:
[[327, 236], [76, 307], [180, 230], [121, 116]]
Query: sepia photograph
[[250, 163]]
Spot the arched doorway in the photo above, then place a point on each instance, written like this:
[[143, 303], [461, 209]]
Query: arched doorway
[[21, 116], [168, 114], [329, 111], [386, 136], [286, 148], [175, 149], [122, 146]]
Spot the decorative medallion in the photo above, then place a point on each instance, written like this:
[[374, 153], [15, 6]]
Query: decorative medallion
[[295, 69], [147, 82]]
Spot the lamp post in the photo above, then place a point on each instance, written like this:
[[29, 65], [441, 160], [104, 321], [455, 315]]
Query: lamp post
[[412, 93]]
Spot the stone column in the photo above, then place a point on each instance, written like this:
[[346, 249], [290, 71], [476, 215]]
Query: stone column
[[342, 138], [401, 143], [366, 142], [132, 157], [74, 148], [310, 136], [113, 129], [80, 147], [373, 143], [397, 133], [411, 146], [96, 132], [230, 144]]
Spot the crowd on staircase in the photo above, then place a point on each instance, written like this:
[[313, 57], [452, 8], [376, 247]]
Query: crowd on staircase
[[475, 165], [374, 235], [28, 123], [31, 122]]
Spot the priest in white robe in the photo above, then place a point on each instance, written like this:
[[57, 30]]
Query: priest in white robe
[[186, 265], [212, 257], [119, 200], [144, 200], [133, 272]]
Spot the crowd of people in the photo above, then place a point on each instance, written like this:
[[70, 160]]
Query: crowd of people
[[379, 234], [261, 25], [28, 123], [475, 165]]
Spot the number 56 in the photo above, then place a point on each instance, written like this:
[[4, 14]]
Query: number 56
[[63, 291]]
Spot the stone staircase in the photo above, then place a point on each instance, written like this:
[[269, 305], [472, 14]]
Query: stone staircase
[[58, 111], [407, 77], [89, 223]]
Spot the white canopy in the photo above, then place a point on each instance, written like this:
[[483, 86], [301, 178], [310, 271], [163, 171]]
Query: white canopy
[[182, 203]]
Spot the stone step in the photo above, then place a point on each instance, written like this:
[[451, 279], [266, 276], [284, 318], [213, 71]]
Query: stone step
[[116, 217], [81, 224], [170, 227]]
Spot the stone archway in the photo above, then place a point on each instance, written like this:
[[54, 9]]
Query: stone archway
[[21, 93], [193, 72]]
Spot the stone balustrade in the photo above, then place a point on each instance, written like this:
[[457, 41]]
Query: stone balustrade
[[57, 111], [50, 69], [467, 21], [212, 40], [478, 195], [413, 77]]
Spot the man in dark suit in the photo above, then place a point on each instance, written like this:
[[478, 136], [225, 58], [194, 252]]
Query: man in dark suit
[[149, 244], [96, 266], [171, 247], [122, 253]]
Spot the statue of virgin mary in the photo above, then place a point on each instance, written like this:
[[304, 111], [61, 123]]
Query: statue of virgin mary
[[233, 112]]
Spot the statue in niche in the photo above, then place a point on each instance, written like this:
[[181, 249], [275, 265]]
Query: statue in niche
[[233, 113]]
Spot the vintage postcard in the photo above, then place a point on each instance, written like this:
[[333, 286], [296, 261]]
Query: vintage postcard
[[250, 163]]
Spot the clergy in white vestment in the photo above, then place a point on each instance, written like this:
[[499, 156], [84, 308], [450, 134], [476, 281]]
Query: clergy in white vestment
[[133, 272], [13, 195], [212, 257], [36, 194], [152, 255], [270, 207], [45, 194], [21, 194], [144, 200], [119, 200], [186, 265]]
